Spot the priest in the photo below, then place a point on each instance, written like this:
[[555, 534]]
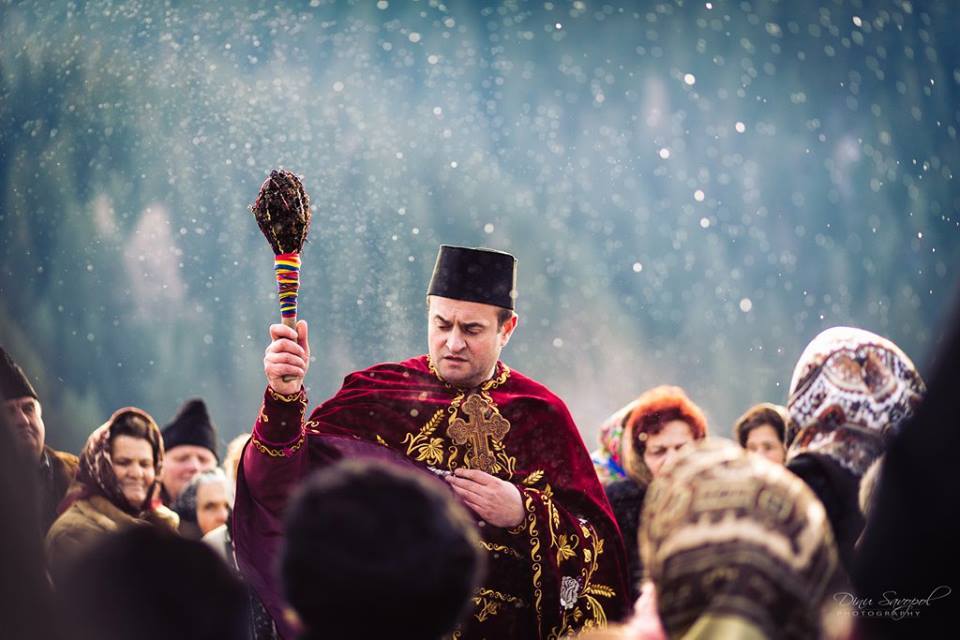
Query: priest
[[504, 444]]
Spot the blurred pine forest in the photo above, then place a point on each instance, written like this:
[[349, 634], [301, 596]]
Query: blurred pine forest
[[693, 190]]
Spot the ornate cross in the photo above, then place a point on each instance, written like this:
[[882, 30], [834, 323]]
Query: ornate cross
[[483, 422]]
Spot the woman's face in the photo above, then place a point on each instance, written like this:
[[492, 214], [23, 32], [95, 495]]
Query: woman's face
[[213, 506], [133, 466], [764, 440], [663, 446]]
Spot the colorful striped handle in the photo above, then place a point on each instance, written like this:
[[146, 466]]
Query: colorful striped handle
[[287, 269]]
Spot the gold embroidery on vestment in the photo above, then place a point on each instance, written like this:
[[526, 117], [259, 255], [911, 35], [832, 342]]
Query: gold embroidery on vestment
[[483, 425]]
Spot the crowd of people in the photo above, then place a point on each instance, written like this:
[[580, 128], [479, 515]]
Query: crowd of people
[[449, 496]]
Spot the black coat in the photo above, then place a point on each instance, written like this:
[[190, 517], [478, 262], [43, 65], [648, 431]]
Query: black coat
[[626, 499]]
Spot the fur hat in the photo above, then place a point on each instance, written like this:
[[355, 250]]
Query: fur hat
[[192, 425], [13, 381]]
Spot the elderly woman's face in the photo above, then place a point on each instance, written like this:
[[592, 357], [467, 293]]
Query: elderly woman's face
[[213, 506], [133, 466], [764, 440], [663, 446]]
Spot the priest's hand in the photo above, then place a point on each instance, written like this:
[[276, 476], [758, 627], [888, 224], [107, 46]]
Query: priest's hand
[[288, 356], [496, 501]]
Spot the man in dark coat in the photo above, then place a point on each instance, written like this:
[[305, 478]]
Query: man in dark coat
[[56, 469]]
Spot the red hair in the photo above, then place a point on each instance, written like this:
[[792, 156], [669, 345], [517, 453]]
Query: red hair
[[661, 405]]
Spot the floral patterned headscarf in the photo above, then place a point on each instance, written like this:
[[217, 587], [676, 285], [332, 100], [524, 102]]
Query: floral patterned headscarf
[[608, 457], [851, 389], [96, 476]]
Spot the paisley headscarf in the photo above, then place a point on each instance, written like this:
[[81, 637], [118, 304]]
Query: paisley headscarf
[[96, 476], [733, 541], [851, 389]]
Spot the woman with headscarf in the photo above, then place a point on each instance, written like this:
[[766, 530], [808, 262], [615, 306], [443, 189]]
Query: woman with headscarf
[[660, 423], [117, 486], [736, 547], [850, 392]]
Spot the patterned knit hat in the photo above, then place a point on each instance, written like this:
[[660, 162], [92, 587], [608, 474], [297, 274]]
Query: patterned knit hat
[[851, 389], [726, 535]]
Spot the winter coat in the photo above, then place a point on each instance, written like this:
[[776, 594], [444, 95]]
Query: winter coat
[[626, 500], [57, 470], [87, 520]]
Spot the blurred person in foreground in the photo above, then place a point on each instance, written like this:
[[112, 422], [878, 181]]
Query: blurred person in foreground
[[55, 470], [147, 583], [850, 392], [507, 446], [735, 546], [375, 550], [765, 429], [117, 487], [660, 423], [191, 447], [907, 561]]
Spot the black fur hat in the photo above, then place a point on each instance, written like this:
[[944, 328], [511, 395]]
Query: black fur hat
[[192, 425]]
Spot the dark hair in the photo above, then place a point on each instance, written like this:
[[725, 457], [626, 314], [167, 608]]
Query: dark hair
[[368, 543], [151, 584], [137, 424], [503, 314], [759, 415]]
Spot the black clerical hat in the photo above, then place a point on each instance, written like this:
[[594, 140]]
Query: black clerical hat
[[475, 275], [13, 381], [192, 425]]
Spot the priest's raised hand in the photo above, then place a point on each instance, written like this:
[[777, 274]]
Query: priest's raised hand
[[286, 360]]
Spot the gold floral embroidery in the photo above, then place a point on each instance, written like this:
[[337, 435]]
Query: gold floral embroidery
[[587, 613], [535, 555], [534, 478], [426, 449], [499, 548], [293, 397], [503, 464], [490, 602], [565, 547], [278, 453]]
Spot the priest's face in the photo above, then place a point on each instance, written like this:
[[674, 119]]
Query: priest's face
[[466, 339]]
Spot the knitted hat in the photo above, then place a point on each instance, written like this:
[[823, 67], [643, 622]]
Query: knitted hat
[[192, 425], [851, 390], [13, 381]]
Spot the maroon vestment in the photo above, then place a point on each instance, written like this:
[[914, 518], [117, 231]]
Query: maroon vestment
[[560, 570]]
